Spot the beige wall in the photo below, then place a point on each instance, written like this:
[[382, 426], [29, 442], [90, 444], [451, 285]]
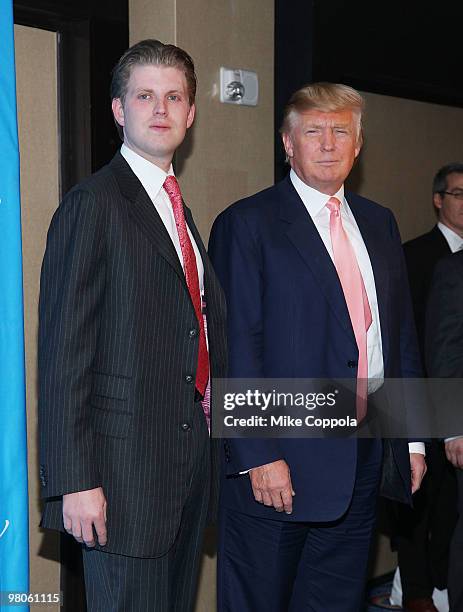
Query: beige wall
[[229, 151], [406, 142], [150, 19], [38, 143]]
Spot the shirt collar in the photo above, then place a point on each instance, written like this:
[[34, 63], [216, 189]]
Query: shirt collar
[[454, 241], [152, 177], [313, 200]]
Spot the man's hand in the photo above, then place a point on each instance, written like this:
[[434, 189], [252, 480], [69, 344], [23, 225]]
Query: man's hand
[[454, 452], [271, 485], [418, 469], [81, 512]]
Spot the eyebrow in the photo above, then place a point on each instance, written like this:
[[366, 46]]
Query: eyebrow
[[149, 90], [322, 125]]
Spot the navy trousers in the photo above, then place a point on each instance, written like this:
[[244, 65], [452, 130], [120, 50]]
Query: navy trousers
[[283, 566]]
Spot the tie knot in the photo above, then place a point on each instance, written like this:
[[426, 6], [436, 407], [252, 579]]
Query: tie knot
[[172, 189], [333, 205]]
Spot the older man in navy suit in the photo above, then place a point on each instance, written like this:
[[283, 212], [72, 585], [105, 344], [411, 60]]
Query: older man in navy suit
[[316, 288]]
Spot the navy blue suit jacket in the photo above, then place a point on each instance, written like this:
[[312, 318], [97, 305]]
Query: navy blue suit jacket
[[287, 318]]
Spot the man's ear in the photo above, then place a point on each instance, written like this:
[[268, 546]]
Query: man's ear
[[437, 200], [288, 144], [118, 110], [191, 116]]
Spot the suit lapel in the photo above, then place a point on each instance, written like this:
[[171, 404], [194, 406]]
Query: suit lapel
[[305, 237], [441, 246], [145, 215], [194, 232], [212, 290], [303, 234], [202, 250]]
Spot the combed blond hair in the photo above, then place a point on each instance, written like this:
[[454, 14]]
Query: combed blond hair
[[324, 97]]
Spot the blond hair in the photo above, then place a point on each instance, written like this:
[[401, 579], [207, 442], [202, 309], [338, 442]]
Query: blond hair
[[324, 97]]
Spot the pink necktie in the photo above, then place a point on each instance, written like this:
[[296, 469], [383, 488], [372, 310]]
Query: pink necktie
[[356, 298], [191, 276]]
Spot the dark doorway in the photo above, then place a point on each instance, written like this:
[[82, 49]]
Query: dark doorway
[[293, 61], [91, 38]]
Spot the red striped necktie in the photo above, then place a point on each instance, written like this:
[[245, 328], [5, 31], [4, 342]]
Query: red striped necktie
[[191, 275]]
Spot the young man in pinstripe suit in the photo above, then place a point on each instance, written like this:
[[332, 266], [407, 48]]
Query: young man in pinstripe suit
[[125, 356]]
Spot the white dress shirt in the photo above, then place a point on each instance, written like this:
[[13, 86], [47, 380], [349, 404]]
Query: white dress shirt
[[315, 202], [454, 241], [152, 178]]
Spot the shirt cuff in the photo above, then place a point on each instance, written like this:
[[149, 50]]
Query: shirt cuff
[[452, 438], [416, 447]]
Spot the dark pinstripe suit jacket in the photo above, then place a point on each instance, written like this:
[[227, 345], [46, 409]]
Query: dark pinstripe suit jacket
[[117, 361]]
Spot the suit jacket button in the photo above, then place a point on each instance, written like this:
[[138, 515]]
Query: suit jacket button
[[186, 426], [42, 474], [352, 364], [193, 333], [189, 379]]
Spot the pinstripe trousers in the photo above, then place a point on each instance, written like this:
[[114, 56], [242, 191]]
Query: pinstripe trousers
[[118, 583]]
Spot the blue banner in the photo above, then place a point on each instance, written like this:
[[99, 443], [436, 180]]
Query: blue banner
[[14, 537]]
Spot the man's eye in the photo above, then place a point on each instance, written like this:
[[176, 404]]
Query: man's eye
[[143, 96], [341, 131], [173, 97]]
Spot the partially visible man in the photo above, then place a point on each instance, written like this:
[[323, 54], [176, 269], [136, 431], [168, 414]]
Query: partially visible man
[[127, 466], [316, 287], [444, 359], [424, 531], [422, 253]]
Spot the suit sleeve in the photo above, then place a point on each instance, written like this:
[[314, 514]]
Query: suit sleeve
[[414, 396], [71, 295], [444, 322], [444, 345], [416, 274], [409, 352], [236, 257]]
